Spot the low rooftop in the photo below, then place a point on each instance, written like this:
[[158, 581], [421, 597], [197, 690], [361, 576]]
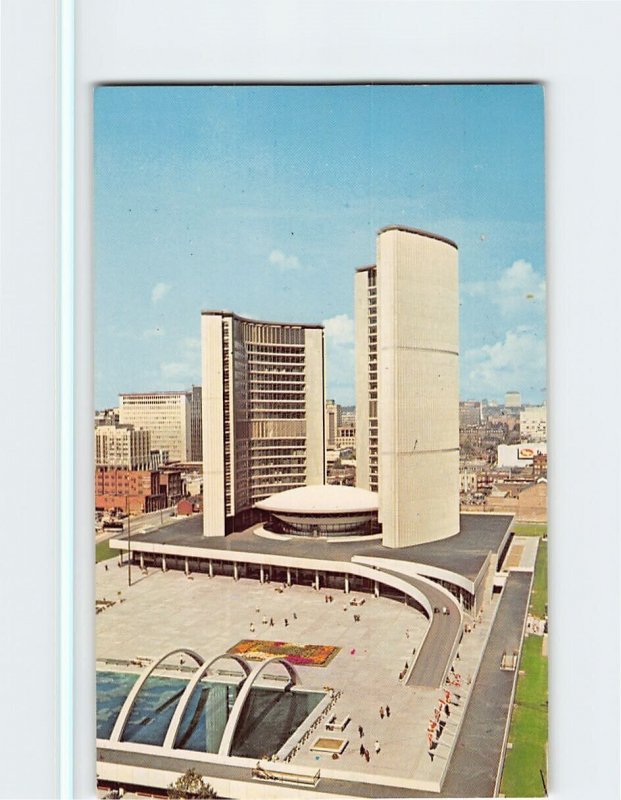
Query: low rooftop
[[464, 553]]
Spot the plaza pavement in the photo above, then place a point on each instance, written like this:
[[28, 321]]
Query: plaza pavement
[[163, 611]]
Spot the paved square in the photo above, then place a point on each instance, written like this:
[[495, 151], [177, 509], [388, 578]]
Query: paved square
[[163, 611]]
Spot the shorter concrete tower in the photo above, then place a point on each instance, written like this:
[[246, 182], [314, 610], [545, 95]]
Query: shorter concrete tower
[[263, 414]]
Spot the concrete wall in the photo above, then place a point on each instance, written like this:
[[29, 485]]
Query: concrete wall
[[418, 387], [213, 426], [361, 314], [315, 406]]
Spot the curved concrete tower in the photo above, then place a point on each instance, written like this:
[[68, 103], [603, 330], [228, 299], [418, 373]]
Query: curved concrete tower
[[413, 332]]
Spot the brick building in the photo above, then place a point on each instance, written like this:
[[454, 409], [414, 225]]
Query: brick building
[[136, 491]]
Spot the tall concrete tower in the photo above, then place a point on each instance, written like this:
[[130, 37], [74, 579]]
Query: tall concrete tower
[[407, 384]]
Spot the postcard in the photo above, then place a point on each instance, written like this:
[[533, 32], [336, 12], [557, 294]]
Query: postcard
[[320, 440]]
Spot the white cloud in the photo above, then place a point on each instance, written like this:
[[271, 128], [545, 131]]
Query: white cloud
[[159, 291], [153, 333], [519, 361], [171, 370], [519, 289], [340, 358], [519, 284], [339, 329], [187, 367], [282, 261]]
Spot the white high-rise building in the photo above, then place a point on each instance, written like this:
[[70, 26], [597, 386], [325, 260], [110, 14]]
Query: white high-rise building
[[263, 414], [407, 385], [533, 424], [513, 399], [333, 422], [122, 446], [166, 415]]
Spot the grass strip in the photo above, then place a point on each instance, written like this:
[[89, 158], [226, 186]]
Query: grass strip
[[103, 551], [526, 761], [530, 528]]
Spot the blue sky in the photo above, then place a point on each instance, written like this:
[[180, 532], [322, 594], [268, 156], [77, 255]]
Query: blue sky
[[264, 200]]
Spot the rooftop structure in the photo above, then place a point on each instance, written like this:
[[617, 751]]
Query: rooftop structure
[[323, 511]]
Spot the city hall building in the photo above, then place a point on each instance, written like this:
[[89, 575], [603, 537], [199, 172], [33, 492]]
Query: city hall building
[[269, 517], [263, 414], [407, 385]]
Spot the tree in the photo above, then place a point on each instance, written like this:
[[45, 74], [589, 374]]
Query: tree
[[190, 785]]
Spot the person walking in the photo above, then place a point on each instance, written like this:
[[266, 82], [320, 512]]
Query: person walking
[[361, 731], [381, 712], [377, 746], [361, 749], [367, 756]]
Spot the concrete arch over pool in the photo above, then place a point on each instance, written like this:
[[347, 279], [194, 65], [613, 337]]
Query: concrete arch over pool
[[240, 702], [130, 700], [171, 733]]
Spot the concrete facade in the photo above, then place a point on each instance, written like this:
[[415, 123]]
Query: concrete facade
[[165, 414], [263, 413], [333, 421], [533, 424], [196, 424], [365, 300], [407, 374], [122, 446], [513, 399]]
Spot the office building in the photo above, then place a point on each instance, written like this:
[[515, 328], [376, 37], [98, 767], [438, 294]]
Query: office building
[[513, 400], [533, 424], [407, 375], [196, 424], [263, 414], [122, 446], [470, 413], [165, 414], [333, 422], [346, 438]]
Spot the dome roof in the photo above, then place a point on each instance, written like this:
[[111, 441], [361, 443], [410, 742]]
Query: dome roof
[[321, 500]]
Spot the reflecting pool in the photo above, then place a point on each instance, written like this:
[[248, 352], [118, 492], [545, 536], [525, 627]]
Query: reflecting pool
[[269, 717]]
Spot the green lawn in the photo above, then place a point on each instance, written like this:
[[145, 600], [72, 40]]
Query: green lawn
[[539, 595], [530, 528], [529, 726], [103, 551]]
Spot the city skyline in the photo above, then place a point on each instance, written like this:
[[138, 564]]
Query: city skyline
[[217, 197]]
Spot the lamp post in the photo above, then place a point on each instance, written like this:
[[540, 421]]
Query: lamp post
[[129, 542], [129, 537]]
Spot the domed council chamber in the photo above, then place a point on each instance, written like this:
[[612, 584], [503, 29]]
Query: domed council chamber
[[322, 511]]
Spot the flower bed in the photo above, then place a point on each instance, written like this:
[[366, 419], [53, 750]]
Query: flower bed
[[301, 655]]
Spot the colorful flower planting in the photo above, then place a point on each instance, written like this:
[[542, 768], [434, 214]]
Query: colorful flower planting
[[301, 655]]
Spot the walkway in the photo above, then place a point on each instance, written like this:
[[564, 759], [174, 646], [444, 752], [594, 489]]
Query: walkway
[[474, 766], [433, 659]]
